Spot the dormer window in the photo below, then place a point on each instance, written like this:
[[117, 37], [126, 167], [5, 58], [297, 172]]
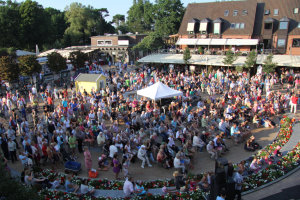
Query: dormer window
[[298, 25], [217, 26], [284, 23], [226, 13], [276, 12], [203, 26], [268, 25], [232, 25], [235, 13], [190, 27], [242, 25]]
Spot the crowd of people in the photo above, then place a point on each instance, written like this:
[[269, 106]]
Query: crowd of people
[[53, 125]]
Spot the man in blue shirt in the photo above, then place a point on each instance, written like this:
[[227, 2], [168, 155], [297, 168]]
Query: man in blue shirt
[[234, 132]]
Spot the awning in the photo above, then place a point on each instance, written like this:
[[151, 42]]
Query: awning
[[218, 42], [190, 27], [203, 41], [242, 42], [203, 26], [186, 41], [281, 60]]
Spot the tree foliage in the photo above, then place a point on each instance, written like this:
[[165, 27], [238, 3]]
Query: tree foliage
[[118, 20], [168, 16], [186, 55], [251, 59], [78, 59], [11, 189], [56, 62], [85, 21], [29, 65], [229, 58], [34, 24], [140, 16], [269, 66], [9, 69], [151, 42]]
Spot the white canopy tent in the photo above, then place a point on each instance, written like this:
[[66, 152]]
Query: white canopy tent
[[158, 91]]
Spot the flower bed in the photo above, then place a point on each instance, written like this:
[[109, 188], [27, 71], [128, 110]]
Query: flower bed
[[272, 172]]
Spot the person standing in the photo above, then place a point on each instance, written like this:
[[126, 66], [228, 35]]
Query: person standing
[[116, 166], [12, 148], [87, 159], [238, 179], [80, 137], [294, 101]]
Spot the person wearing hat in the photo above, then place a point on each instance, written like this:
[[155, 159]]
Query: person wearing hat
[[142, 155]]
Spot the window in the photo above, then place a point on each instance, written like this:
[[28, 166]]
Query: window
[[267, 12], [268, 25], [283, 25], [190, 26], [242, 26], [298, 25], [235, 13], [232, 25], [191, 32], [276, 12], [296, 42], [237, 25], [203, 27], [245, 12], [296, 10], [100, 42], [217, 28], [226, 13], [280, 42], [108, 42]]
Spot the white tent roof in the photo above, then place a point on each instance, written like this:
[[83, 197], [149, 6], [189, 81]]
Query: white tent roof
[[158, 91]]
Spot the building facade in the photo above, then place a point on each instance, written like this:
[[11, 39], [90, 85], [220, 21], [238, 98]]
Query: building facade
[[118, 47], [266, 25]]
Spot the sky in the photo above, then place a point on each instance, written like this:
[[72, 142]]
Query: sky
[[114, 6]]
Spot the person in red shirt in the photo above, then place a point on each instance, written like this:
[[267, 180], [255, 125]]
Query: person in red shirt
[[294, 101]]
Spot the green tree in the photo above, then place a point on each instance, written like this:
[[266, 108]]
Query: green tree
[[10, 35], [56, 62], [200, 50], [86, 21], [250, 60], [168, 15], [9, 69], [229, 58], [78, 59], [34, 24], [118, 20], [186, 55], [140, 16], [269, 66], [57, 27], [151, 42], [29, 65]]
